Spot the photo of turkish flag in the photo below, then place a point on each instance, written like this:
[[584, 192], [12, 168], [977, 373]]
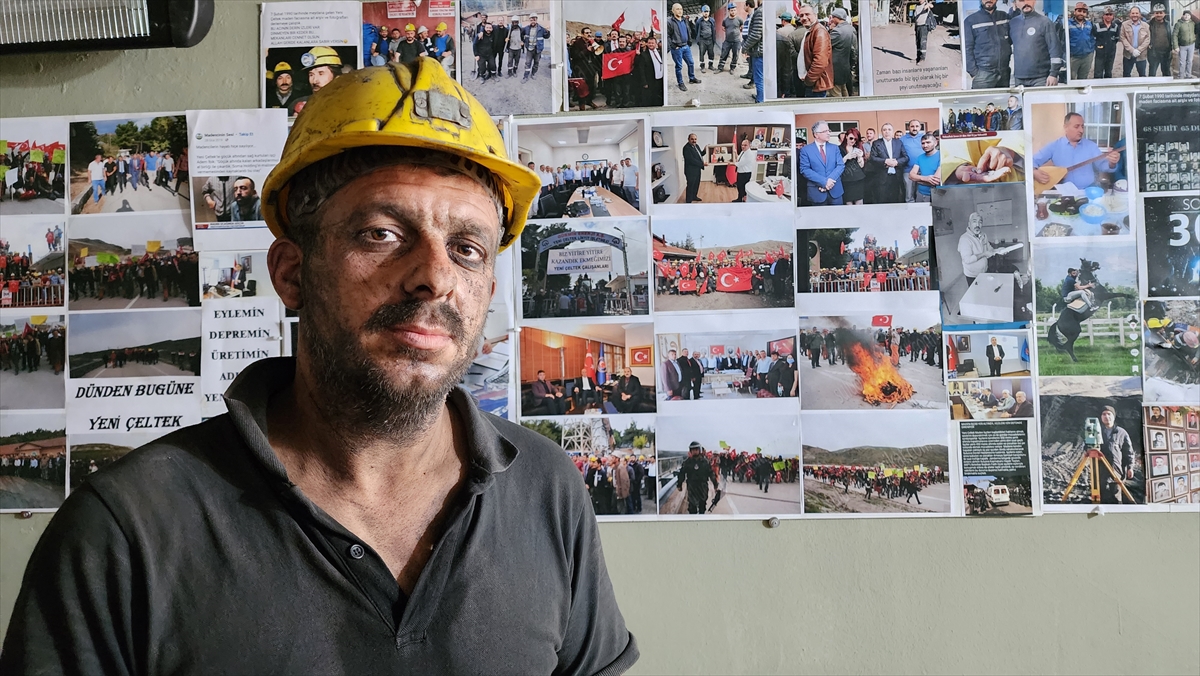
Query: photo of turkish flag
[[881, 320], [617, 64], [734, 279], [640, 356], [687, 285]]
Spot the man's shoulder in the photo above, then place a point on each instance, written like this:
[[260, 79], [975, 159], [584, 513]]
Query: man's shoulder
[[540, 462]]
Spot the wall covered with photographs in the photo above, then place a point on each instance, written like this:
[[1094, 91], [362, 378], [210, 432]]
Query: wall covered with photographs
[[960, 285]]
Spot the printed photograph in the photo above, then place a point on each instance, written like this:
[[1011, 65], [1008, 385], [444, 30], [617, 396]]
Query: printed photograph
[[1009, 43], [854, 464], [724, 163], [228, 201], [1168, 151], [871, 157], [727, 365], [991, 398], [132, 262], [402, 31], [122, 165], [89, 453], [585, 269], [915, 46], [33, 166], [1172, 248], [1136, 40], [33, 460], [33, 352], [704, 265], [1087, 309], [234, 274], [983, 113], [488, 377], [864, 362], [506, 47], [593, 368], [983, 255], [828, 64], [1171, 332], [615, 456], [721, 465], [135, 344], [615, 54], [31, 263], [296, 73], [989, 158], [589, 169], [697, 44], [863, 256], [1092, 449], [987, 354], [1080, 185], [995, 465]]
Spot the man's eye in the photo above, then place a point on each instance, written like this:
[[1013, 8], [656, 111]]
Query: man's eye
[[469, 251], [380, 235]]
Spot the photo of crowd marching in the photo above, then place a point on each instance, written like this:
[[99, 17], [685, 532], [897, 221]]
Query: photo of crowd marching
[[1092, 449], [129, 164], [504, 45], [1008, 44], [865, 362], [726, 163], [1155, 39], [883, 258], [718, 465], [33, 352], [991, 354], [705, 265], [614, 54], [135, 344], [227, 201], [33, 460], [855, 463], [89, 453], [593, 368], [33, 159], [867, 156], [615, 456], [398, 32], [916, 46], [726, 366], [132, 262], [991, 398], [31, 263], [589, 168], [817, 49], [293, 74], [1171, 333], [584, 269], [989, 144], [234, 274], [1080, 184]]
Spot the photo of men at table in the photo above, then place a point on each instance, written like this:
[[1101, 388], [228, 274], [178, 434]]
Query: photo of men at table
[[987, 354], [587, 368], [983, 255], [588, 170], [584, 269], [735, 365], [868, 155], [991, 398], [234, 274], [1079, 176], [717, 164], [889, 256]]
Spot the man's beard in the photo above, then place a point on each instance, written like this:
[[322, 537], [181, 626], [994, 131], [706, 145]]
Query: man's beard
[[355, 394]]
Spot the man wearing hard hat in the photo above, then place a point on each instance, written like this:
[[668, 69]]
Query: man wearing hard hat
[[322, 65], [354, 511], [285, 93], [443, 47]]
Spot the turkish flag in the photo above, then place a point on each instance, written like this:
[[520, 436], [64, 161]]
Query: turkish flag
[[734, 279], [617, 64], [881, 320], [687, 285], [616, 25], [654, 21], [717, 349], [640, 356], [658, 255]]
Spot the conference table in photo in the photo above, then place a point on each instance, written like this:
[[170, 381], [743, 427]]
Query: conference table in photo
[[612, 206], [989, 298], [976, 410]]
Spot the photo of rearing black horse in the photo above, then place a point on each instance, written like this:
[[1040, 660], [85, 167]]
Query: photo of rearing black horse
[[1065, 330]]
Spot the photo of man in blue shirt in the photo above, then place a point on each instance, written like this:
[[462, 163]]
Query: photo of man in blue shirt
[[1072, 149]]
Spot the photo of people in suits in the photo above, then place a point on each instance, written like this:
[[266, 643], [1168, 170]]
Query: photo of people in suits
[[726, 163], [572, 368], [726, 366]]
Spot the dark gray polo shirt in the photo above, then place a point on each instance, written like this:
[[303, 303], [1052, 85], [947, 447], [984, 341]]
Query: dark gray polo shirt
[[195, 554]]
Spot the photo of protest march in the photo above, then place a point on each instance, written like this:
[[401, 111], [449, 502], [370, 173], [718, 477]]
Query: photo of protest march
[[401, 31], [991, 398], [1009, 43], [1172, 252], [615, 54], [129, 164], [727, 365], [226, 201], [89, 453], [135, 344], [715, 50], [724, 163], [1080, 184], [703, 265], [33, 460], [1172, 436], [130, 262], [867, 156], [995, 466], [916, 46], [234, 274], [1087, 309], [615, 456], [506, 51], [885, 257], [578, 368], [295, 73], [33, 159], [31, 263], [855, 464], [746, 464], [864, 362], [588, 169], [1171, 333], [1092, 443], [33, 352], [1136, 40], [818, 49], [987, 354], [584, 269], [982, 243]]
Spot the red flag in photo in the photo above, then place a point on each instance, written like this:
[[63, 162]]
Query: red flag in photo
[[617, 64], [687, 285], [881, 320], [717, 349], [654, 21], [734, 279], [951, 355], [658, 255], [616, 25], [640, 356]]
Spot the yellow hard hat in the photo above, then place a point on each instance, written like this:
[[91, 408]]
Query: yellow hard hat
[[320, 56], [593, 458], [441, 26], [410, 27], [414, 105], [283, 66]]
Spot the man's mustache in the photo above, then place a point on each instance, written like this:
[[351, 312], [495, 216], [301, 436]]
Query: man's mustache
[[434, 315]]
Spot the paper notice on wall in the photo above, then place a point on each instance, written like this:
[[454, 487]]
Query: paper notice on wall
[[132, 404], [296, 24], [572, 261], [237, 332], [305, 45]]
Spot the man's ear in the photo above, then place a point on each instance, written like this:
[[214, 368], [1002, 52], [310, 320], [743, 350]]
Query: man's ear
[[284, 262]]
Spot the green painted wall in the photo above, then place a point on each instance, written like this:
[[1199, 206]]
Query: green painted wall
[[1053, 595]]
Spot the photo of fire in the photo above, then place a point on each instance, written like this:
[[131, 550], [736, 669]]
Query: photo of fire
[[891, 361]]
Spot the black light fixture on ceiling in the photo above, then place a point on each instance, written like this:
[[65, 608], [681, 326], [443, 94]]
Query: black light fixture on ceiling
[[29, 26]]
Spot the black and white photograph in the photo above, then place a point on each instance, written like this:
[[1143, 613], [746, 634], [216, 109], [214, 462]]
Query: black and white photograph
[[1172, 350], [33, 160], [715, 164], [712, 51], [987, 354], [851, 254], [915, 46], [585, 269], [506, 49], [32, 267], [1172, 241], [1168, 151], [33, 353], [991, 398], [727, 365], [723, 465], [135, 344], [1006, 43], [129, 164], [857, 463], [132, 262], [33, 460], [576, 368], [590, 168], [615, 55]]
